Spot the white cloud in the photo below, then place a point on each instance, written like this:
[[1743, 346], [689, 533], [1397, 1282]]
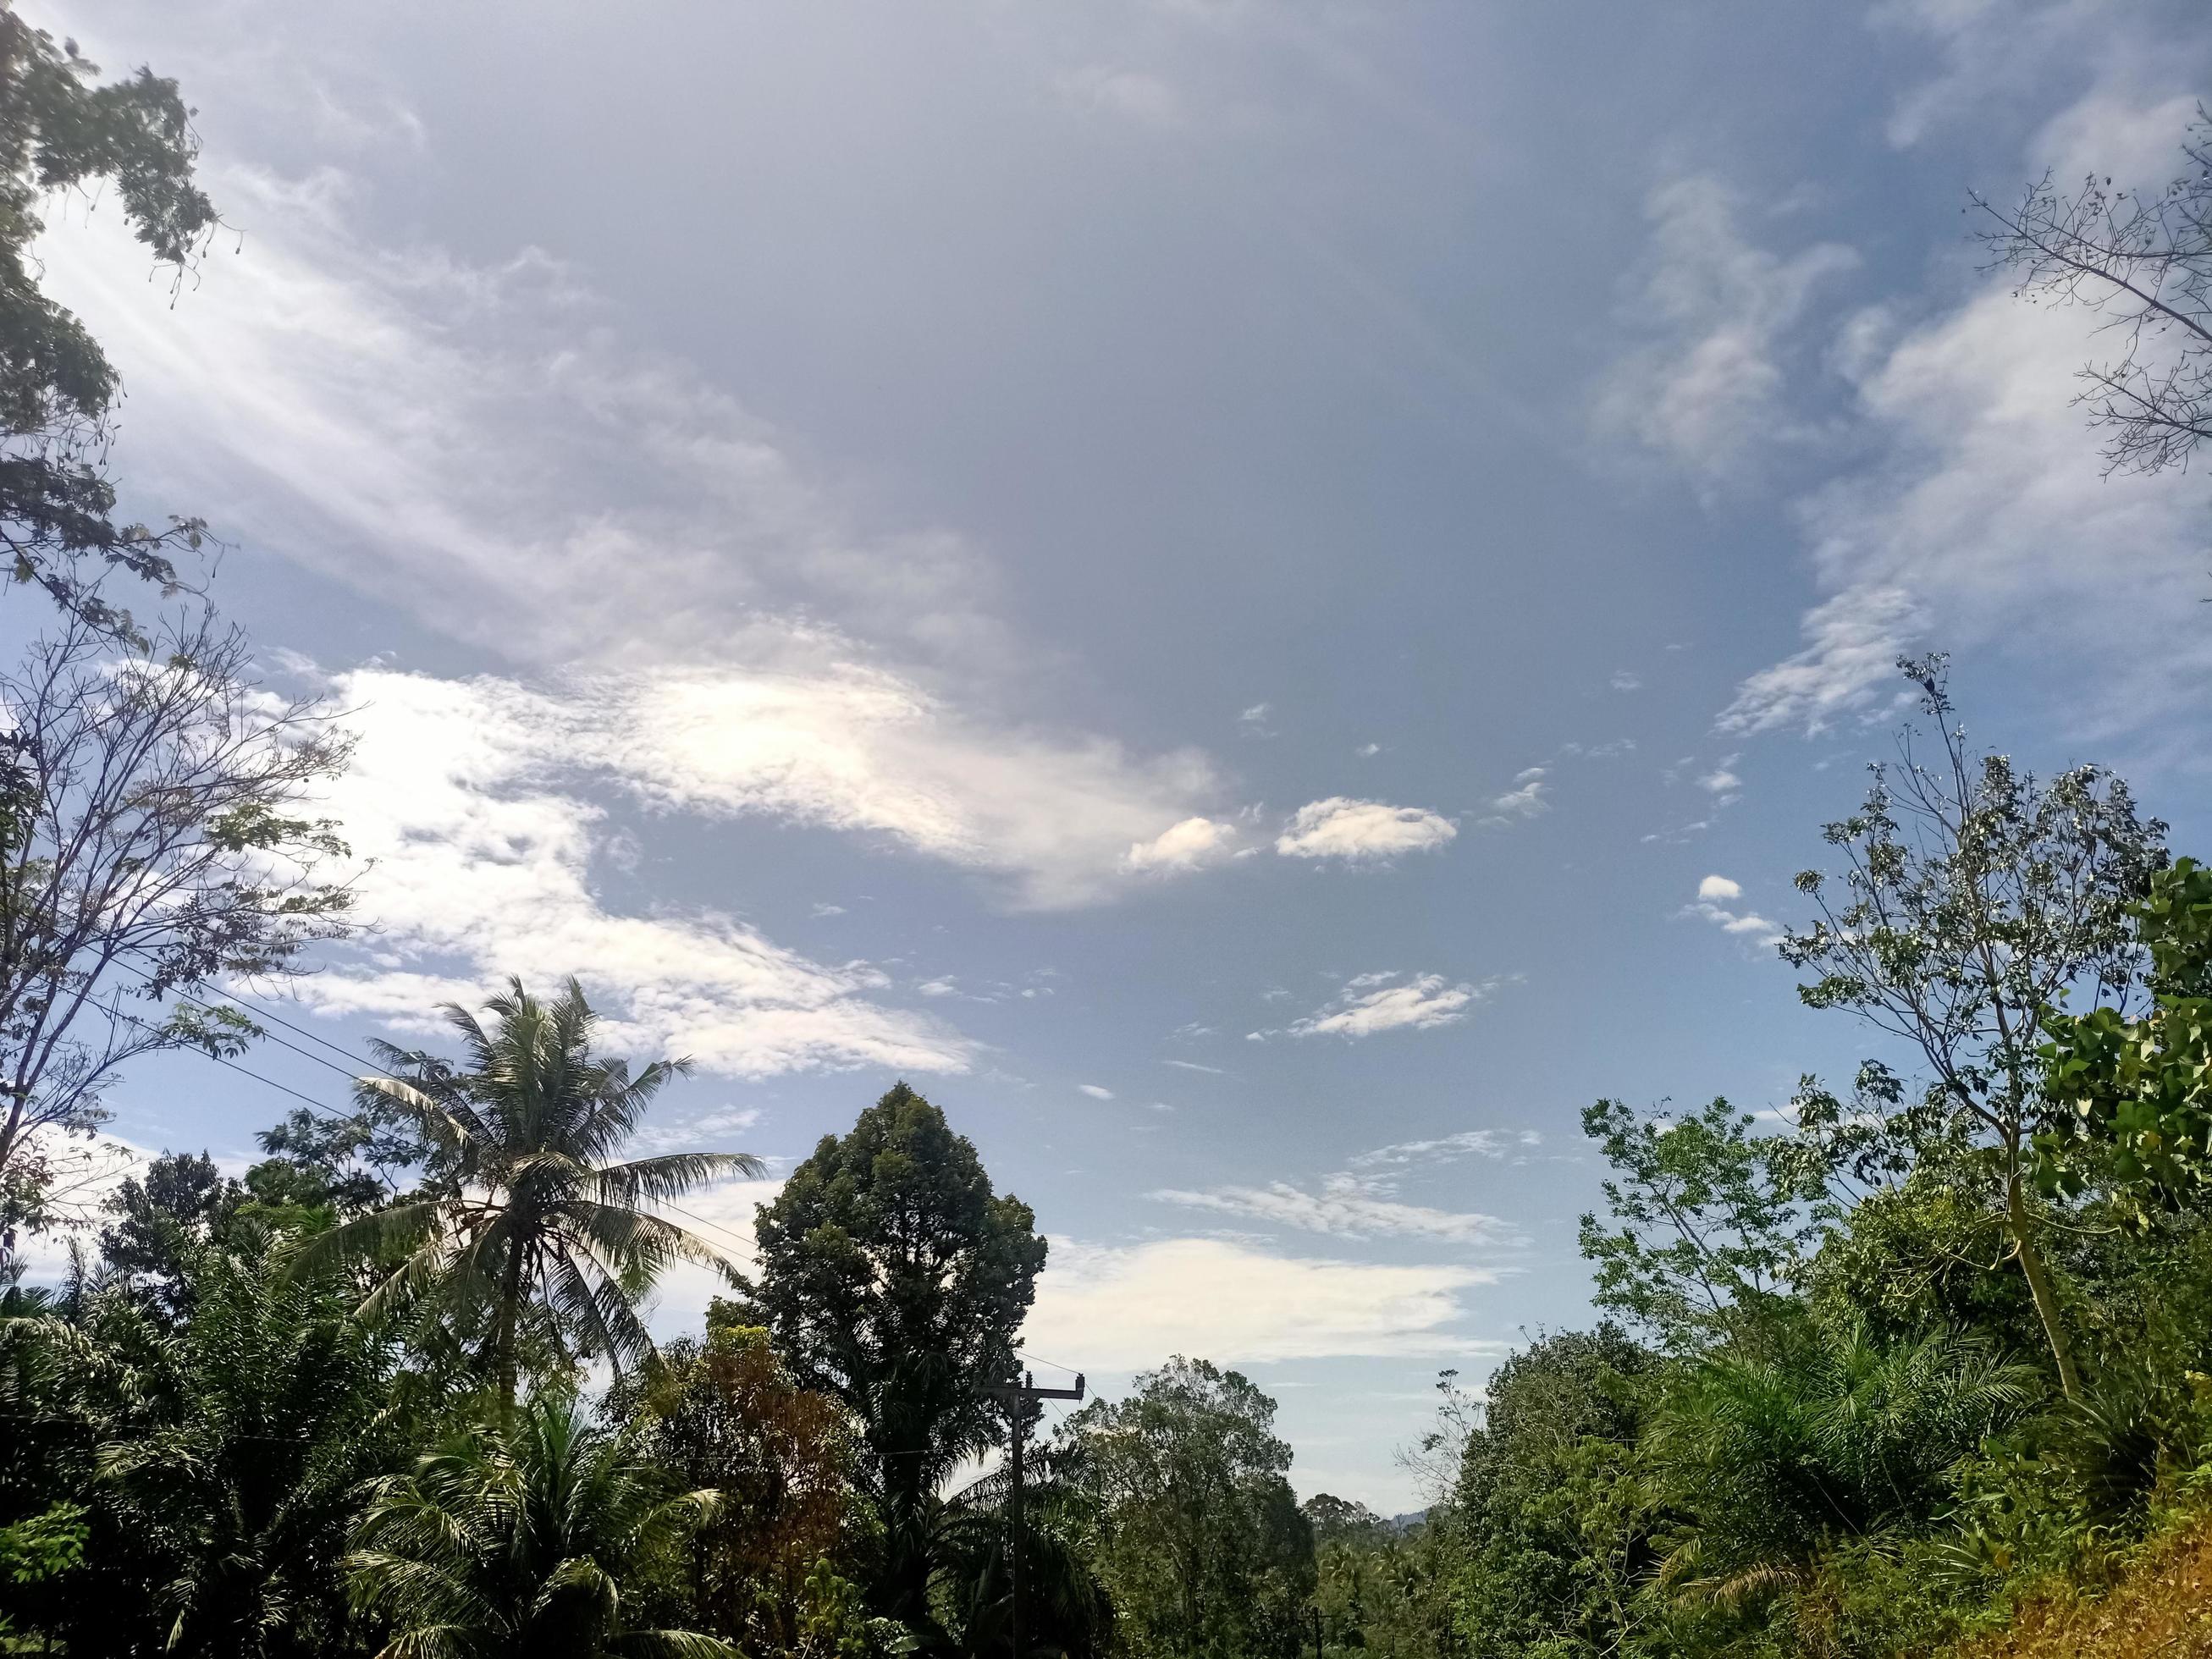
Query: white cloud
[[1130, 1307], [1368, 750], [938, 987], [1341, 828], [1187, 845], [1443, 1149], [1623, 680], [1094, 1091], [1710, 391], [824, 910], [1193, 1066], [478, 866], [1714, 894], [1347, 1205], [1379, 1002], [1990, 521], [1854, 641]]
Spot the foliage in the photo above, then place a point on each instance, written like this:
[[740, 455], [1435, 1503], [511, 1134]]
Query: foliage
[[1552, 1510], [60, 131], [156, 833], [895, 1280], [1775, 1463], [529, 1534], [522, 1210], [1380, 1588], [726, 1415], [1194, 1527], [2132, 1098], [214, 1463], [1711, 1223]]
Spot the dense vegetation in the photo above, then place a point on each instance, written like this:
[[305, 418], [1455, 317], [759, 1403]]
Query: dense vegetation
[[1924, 1358]]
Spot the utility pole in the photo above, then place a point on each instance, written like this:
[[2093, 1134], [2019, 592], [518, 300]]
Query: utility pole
[[1018, 1396]]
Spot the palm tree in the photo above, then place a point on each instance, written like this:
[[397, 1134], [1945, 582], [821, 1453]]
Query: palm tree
[[525, 1536], [1778, 1460], [520, 1208]]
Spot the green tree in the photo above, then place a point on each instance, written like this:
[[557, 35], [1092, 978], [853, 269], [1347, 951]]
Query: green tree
[[895, 1280], [1552, 1510], [1195, 1529], [1974, 899], [523, 1212], [1776, 1461], [531, 1535], [1710, 1224], [62, 130], [2133, 1095]]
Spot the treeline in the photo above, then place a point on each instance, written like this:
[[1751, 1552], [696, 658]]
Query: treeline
[[1885, 1367], [342, 1405]]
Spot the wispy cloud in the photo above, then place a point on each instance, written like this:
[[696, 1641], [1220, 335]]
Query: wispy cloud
[[1129, 1305], [1347, 1206], [477, 866], [1709, 393], [1095, 1091], [1371, 1003], [1524, 800]]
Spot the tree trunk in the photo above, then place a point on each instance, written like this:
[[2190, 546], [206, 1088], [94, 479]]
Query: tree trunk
[[510, 1302], [2038, 1274]]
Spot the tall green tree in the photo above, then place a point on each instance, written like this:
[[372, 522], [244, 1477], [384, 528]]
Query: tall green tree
[[523, 1211], [1552, 1511], [529, 1536], [62, 129], [1196, 1531], [896, 1280], [1974, 899]]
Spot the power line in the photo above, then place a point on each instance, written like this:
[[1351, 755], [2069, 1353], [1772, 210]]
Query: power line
[[247, 1071], [1042, 1360]]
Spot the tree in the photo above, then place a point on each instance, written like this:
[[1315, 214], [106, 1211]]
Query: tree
[[2143, 261], [156, 836], [528, 1536], [2133, 1096], [521, 1210], [1776, 1461], [214, 1463], [725, 1415], [1711, 1222], [1197, 1533], [896, 1280], [1974, 900], [1553, 1514], [59, 130]]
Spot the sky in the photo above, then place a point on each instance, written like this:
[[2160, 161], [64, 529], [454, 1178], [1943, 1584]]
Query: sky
[[1261, 599]]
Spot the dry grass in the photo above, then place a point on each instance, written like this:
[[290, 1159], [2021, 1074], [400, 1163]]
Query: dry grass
[[2160, 1609]]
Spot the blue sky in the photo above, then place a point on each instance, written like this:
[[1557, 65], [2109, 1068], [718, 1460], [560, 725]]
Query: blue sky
[[1260, 598]]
